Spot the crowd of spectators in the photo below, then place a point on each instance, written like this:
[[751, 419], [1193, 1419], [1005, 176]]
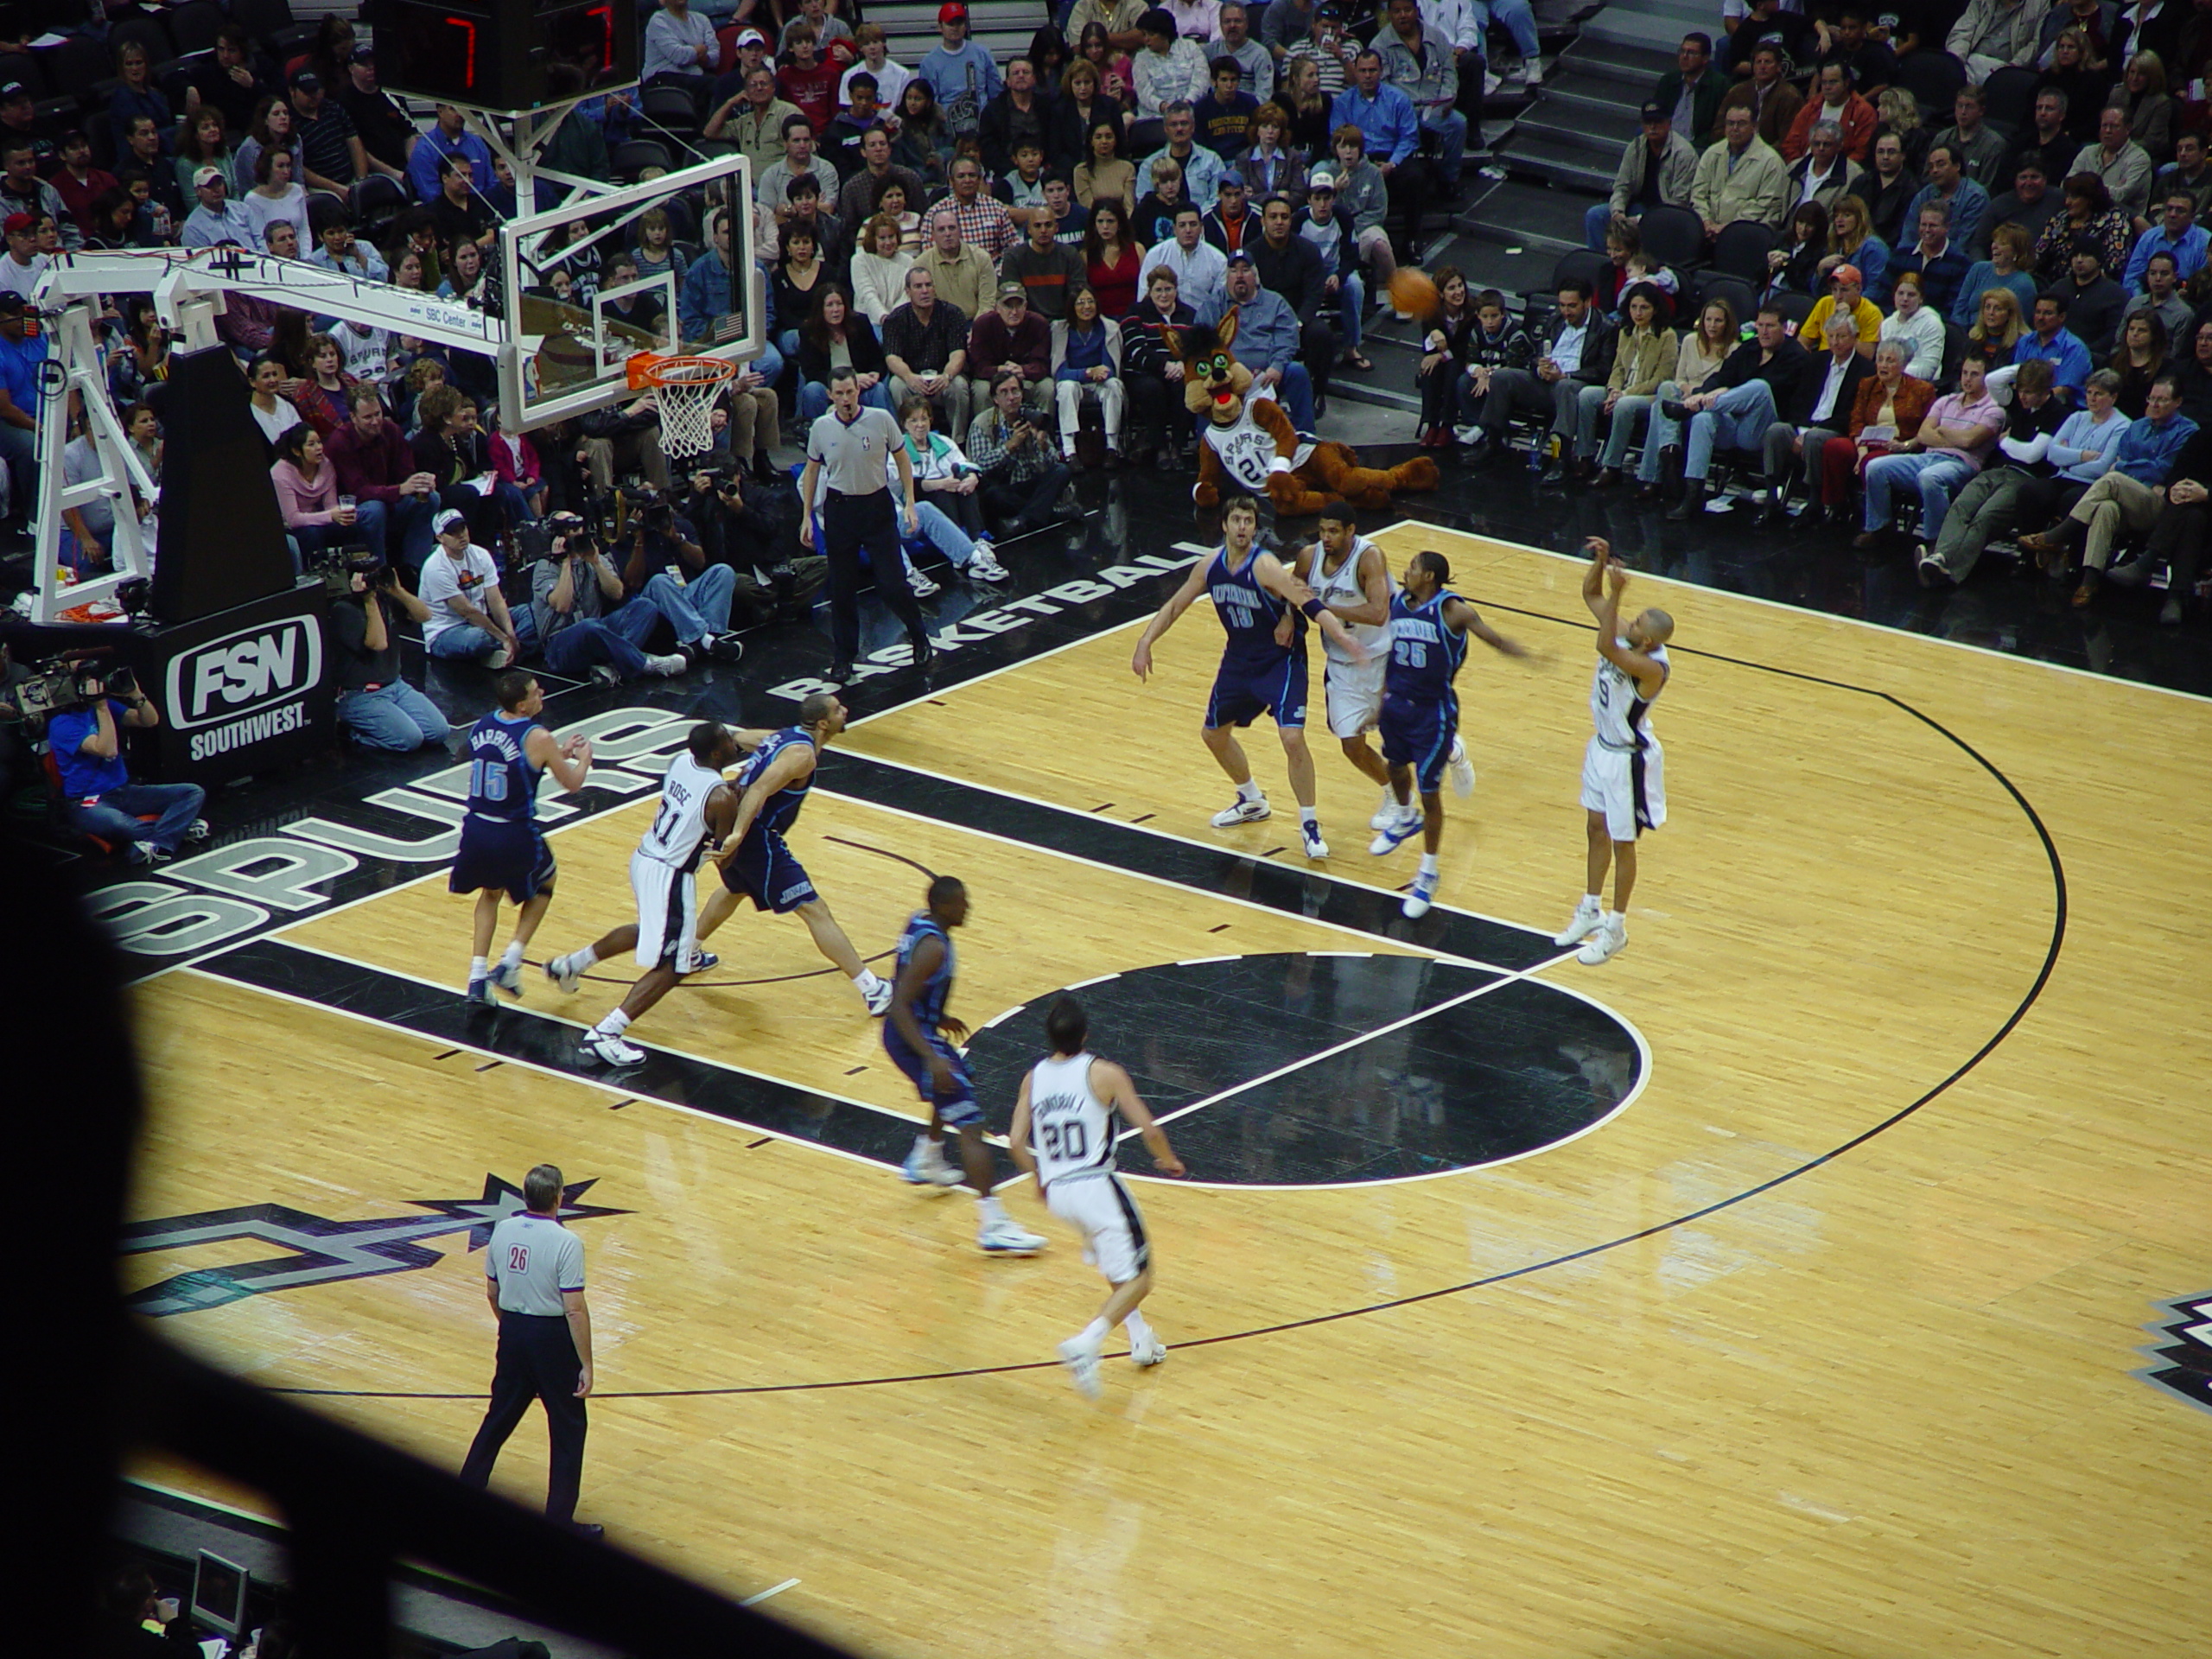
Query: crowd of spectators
[[1938, 300]]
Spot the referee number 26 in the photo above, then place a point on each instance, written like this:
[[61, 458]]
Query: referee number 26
[[517, 1258]]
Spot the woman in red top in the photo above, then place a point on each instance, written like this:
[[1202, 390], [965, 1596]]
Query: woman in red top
[[1114, 258], [323, 396]]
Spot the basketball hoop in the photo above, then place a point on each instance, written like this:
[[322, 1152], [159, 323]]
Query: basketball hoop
[[686, 388]]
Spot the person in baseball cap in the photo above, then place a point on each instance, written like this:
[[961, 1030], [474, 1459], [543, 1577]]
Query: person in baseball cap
[[205, 177], [1006, 290], [952, 12]]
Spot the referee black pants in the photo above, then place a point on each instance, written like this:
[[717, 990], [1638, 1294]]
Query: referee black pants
[[537, 1361], [850, 523]]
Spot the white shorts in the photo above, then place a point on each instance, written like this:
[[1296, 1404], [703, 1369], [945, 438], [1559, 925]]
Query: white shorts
[[1630, 789], [1355, 695], [1100, 1208], [668, 913]]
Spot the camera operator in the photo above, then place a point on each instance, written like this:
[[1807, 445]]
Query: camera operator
[[376, 707], [100, 798], [664, 564], [18, 766], [739, 526], [584, 620]]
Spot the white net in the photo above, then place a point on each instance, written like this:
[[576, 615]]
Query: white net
[[686, 390]]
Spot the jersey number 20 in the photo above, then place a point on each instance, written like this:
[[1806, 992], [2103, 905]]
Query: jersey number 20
[[1068, 1141]]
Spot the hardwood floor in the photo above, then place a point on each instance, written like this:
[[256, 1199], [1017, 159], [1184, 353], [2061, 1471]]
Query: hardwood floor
[[1822, 1346]]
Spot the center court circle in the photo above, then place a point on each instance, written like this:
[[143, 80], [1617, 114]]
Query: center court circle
[[1339, 1068]]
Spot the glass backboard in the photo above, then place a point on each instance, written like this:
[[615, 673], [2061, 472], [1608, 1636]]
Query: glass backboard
[[575, 321]]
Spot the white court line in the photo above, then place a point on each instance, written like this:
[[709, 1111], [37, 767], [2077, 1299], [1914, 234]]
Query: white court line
[[1163, 834], [1186, 889], [1799, 611], [612, 1086], [1322, 1054], [580, 1025], [773, 1589]]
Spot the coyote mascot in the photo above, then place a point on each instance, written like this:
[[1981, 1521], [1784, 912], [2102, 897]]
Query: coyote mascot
[[1250, 445]]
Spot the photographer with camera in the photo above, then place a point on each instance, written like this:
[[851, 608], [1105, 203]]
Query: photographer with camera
[[1022, 480], [583, 619], [754, 531], [666, 566], [100, 798], [376, 707]]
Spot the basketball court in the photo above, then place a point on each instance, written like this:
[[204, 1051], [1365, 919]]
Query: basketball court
[[1784, 1284]]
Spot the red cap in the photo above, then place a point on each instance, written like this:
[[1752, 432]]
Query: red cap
[[952, 12]]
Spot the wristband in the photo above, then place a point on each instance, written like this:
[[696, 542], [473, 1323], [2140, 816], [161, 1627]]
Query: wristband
[[1313, 608]]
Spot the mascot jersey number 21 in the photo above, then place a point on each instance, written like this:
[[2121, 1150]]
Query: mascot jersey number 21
[[1249, 441]]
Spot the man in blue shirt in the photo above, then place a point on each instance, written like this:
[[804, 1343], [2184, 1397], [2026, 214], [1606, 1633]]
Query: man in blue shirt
[[1388, 121], [2177, 232], [1949, 186], [2068, 357], [448, 135], [19, 364], [2131, 496], [101, 800], [1268, 338], [964, 74]]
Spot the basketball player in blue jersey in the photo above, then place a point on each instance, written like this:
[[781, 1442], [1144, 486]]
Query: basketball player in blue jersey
[[1624, 784], [755, 864], [502, 849], [697, 809], [1259, 603], [1062, 1133], [1348, 572], [919, 1037], [1429, 625]]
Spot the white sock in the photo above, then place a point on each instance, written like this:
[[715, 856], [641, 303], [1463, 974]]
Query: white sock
[[1614, 919], [1591, 901], [1309, 815], [478, 966], [583, 959], [1094, 1332], [614, 1025], [1248, 791], [511, 956], [990, 1210], [1138, 1330], [925, 1145], [1428, 864]]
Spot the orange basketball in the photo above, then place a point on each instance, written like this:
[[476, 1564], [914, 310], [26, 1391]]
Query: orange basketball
[[1414, 294]]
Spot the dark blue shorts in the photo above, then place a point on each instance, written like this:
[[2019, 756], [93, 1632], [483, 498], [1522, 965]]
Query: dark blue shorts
[[1244, 691], [958, 1109], [764, 872], [1418, 734], [513, 856]]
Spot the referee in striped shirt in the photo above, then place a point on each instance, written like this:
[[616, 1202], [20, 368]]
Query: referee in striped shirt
[[850, 450], [534, 1276]]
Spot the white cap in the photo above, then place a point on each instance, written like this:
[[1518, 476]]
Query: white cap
[[449, 519]]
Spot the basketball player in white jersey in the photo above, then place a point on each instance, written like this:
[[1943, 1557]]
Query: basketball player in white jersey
[[1347, 573], [1062, 1133], [1624, 789], [696, 807]]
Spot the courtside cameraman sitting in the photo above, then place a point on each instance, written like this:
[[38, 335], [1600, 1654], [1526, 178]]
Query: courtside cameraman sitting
[[99, 798], [376, 707], [584, 620]]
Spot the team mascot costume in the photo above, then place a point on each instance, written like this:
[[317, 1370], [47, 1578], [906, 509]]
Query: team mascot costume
[[1249, 444]]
